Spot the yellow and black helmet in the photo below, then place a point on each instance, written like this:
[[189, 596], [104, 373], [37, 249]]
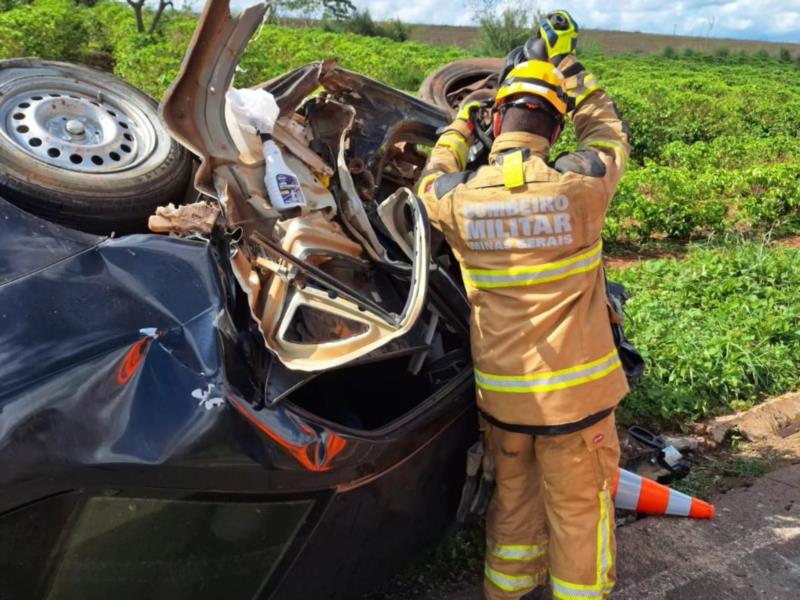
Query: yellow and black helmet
[[534, 78]]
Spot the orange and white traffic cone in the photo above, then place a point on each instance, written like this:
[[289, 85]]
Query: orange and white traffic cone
[[633, 492]]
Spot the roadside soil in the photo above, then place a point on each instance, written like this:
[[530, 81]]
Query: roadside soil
[[791, 242], [624, 256]]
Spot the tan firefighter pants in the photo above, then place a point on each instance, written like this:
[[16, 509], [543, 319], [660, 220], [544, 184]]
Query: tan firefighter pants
[[552, 513]]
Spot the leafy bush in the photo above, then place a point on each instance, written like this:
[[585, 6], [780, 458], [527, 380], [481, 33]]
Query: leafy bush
[[718, 330], [502, 30], [151, 62], [401, 64], [687, 203], [361, 23], [684, 100], [669, 52], [54, 29], [10, 4]]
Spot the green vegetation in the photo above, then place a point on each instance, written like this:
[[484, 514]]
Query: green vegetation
[[361, 23], [457, 560], [714, 146], [151, 62], [718, 329], [401, 64], [47, 28], [717, 475]]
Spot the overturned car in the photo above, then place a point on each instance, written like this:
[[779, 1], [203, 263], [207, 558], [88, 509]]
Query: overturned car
[[263, 404]]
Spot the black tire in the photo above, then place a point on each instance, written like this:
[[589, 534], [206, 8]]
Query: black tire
[[449, 86], [122, 164]]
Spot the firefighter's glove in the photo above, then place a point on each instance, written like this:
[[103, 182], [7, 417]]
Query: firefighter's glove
[[559, 32], [465, 113]]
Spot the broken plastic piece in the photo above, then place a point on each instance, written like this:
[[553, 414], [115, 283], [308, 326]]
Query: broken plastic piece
[[197, 218]]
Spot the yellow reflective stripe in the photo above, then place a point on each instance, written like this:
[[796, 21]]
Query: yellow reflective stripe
[[565, 590], [455, 141], [617, 147], [594, 250], [570, 594], [495, 278], [555, 380], [579, 100], [517, 551], [509, 583], [424, 182], [606, 521], [587, 85], [513, 170]]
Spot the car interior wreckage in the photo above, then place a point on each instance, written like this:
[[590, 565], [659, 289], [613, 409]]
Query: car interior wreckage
[[260, 404]]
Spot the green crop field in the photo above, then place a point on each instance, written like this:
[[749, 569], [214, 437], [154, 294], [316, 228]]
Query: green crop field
[[715, 168]]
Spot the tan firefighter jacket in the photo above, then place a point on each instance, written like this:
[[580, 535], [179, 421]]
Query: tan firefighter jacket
[[527, 236]]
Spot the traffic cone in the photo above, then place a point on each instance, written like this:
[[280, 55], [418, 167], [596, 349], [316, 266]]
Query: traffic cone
[[633, 492]]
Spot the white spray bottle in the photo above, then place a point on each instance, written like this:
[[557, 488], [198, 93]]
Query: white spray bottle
[[257, 111]]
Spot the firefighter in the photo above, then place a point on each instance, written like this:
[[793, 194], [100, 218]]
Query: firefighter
[[526, 233]]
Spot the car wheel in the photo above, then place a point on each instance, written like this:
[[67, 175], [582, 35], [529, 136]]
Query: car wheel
[[82, 148], [460, 81]]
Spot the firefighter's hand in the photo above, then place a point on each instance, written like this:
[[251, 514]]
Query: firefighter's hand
[[559, 32], [466, 111]]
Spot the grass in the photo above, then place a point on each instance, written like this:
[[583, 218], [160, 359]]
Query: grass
[[718, 330], [722, 473], [457, 560]]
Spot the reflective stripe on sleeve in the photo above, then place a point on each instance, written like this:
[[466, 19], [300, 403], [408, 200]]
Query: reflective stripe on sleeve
[[565, 590], [555, 380], [517, 551], [617, 147], [495, 278], [589, 85], [456, 142], [509, 583]]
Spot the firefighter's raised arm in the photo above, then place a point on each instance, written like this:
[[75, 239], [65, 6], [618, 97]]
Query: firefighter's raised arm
[[449, 157], [598, 126]]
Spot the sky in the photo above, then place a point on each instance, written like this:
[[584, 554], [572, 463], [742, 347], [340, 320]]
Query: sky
[[774, 20]]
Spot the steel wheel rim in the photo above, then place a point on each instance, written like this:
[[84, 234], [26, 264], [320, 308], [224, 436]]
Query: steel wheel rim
[[75, 126]]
